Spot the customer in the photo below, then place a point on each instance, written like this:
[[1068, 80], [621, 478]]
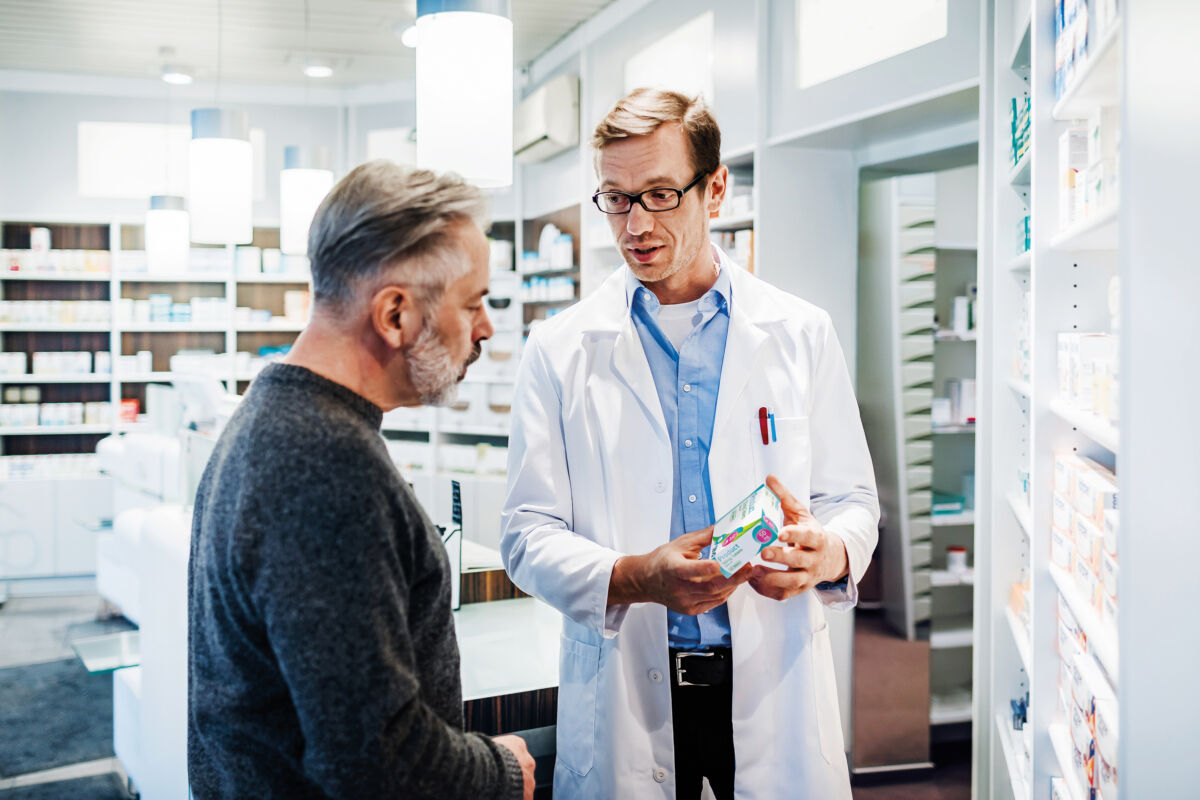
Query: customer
[[323, 661], [636, 425]]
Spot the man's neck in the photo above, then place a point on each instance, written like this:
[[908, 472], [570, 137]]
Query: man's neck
[[354, 360], [691, 282]]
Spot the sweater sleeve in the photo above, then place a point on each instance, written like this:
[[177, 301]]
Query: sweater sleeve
[[333, 595]]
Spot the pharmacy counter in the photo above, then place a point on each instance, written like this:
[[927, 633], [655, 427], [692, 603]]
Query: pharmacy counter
[[509, 651]]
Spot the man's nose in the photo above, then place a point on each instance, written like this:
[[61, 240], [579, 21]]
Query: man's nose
[[639, 221]]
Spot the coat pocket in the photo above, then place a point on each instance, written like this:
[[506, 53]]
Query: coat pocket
[[579, 671], [825, 696], [788, 456]]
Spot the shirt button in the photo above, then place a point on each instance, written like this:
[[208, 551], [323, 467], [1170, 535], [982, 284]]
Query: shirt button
[[687, 387], [660, 775], [660, 487], [655, 676], [687, 442], [691, 498]]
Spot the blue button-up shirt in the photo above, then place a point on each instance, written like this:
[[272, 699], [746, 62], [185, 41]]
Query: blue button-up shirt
[[687, 382]]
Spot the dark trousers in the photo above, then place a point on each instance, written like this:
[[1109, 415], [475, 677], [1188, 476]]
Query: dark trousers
[[703, 720]]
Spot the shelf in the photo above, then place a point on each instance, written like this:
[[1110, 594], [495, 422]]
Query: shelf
[[954, 429], [69, 277], [54, 430], [1097, 83], [1096, 428], [959, 634], [952, 520], [1021, 262], [171, 327], [1019, 174], [1096, 232], [1019, 61], [33, 327], [1021, 638], [569, 272], [734, 222], [1060, 738], [951, 336], [949, 708], [40, 379], [564, 301], [146, 377], [1020, 387], [173, 277], [1007, 736], [270, 327], [475, 430], [944, 577], [1100, 639], [274, 278], [1020, 510]]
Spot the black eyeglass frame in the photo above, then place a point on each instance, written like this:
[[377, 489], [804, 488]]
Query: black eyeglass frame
[[637, 198]]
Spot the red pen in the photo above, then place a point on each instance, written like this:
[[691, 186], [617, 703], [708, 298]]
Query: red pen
[[762, 425]]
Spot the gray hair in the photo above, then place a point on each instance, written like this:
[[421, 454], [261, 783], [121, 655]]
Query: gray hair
[[385, 215]]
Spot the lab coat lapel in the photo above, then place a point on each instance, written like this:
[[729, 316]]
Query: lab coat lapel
[[630, 364], [743, 344]]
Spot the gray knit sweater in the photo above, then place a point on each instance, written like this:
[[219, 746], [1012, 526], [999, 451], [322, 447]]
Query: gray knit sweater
[[322, 658]]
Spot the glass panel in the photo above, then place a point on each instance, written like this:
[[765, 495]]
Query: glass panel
[[109, 652]]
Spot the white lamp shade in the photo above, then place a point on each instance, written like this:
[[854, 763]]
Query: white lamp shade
[[220, 177], [300, 193], [167, 241], [465, 95]]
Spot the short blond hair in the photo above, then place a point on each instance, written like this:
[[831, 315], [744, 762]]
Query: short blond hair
[[643, 111]]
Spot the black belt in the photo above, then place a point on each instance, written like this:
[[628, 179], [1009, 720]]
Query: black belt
[[701, 667]]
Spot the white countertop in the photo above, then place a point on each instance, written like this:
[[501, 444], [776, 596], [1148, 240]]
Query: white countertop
[[507, 646]]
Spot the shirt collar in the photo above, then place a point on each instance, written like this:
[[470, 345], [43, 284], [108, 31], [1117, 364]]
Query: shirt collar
[[714, 299]]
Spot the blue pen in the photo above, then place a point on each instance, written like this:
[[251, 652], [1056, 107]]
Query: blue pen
[[771, 417]]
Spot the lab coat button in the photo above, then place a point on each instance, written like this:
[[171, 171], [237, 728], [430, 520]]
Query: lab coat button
[[660, 487], [660, 775], [655, 676]]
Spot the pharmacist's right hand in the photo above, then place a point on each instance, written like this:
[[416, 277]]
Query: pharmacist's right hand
[[674, 575]]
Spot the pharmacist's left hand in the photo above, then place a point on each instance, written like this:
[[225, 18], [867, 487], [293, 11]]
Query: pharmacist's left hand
[[815, 555]]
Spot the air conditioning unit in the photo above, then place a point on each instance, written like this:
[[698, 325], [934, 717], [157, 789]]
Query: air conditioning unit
[[547, 121]]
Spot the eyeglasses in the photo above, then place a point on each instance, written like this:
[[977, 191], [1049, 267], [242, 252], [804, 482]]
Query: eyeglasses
[[662, 198]]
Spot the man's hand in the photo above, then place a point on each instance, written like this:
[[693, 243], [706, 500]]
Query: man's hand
[[816, 555], [675, 576], [517, 745]]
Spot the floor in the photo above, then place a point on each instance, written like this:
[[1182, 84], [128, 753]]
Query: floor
[[38, 630]]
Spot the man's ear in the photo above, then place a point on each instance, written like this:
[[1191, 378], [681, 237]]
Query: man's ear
[[718, 183], [395, 315]]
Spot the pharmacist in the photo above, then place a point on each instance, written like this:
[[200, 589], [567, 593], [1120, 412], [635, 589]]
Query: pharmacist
[[638, 422]]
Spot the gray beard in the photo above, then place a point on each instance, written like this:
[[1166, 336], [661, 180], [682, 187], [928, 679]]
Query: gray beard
[[431, 370]]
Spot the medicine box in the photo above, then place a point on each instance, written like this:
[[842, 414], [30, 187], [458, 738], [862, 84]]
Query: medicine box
[[742, 533]]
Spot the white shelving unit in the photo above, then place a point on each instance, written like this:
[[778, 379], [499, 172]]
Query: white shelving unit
[[1135, 234]]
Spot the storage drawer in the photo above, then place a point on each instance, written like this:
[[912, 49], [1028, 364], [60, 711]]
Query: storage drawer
[[916, 373], [919, 504], [917, 320], [921, 581], [916, 293], [917, 401], [909, 216], [921, 266], [922, 554], [916, 348], [917, 426], [915, 239], [920, 477], [918, 452], [922, 607], [919, 528]]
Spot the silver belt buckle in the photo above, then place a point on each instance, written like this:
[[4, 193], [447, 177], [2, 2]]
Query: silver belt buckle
[[680, 656]]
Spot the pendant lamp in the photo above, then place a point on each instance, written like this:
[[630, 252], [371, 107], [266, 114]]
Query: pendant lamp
[[305, 180], [220, 177], [465, 89], [167, 240]]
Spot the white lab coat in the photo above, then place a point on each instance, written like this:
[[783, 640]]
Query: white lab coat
[[590, 479]]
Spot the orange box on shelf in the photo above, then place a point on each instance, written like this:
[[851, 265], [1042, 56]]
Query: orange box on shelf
[[129, 410]]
